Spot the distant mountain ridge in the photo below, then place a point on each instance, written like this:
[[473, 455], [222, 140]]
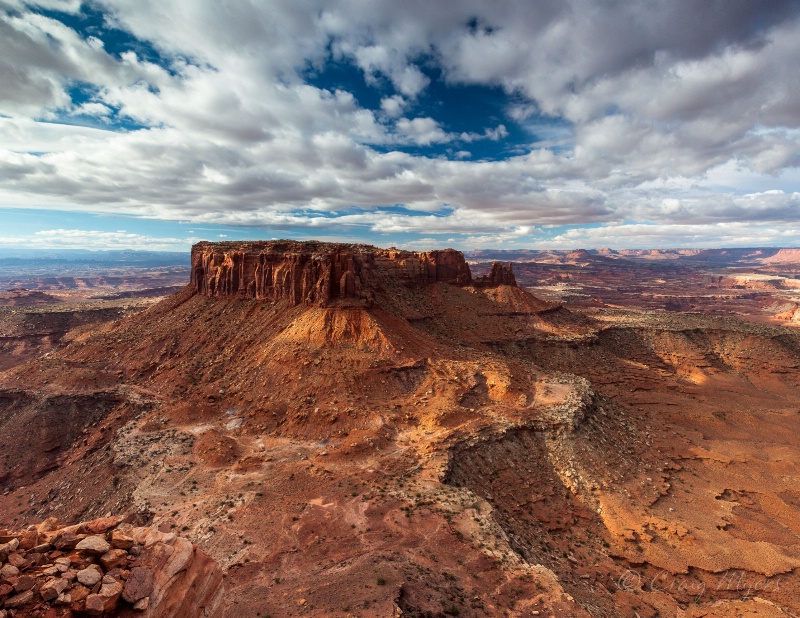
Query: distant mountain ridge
[[120, 257], [722, 256]]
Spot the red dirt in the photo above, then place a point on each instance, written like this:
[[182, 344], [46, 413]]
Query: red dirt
[[447, 450]]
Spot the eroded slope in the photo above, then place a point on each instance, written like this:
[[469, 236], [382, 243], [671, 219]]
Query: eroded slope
[[444, 448]]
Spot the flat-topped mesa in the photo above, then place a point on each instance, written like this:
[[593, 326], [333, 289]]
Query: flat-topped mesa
[[319, 274]]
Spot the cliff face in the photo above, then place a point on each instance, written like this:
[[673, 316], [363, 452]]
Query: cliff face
[[323, 274], [500, 274]]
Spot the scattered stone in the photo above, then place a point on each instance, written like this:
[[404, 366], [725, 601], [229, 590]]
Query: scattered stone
[[90, 575], [95, 582], [29, 539], [64, 599], [120, 540], [53, 589], [95, 545], [102, 525], [139, 585], [12, 545], [48, 525], [19, 600], [65, 540], [95, 605], [79, 593], [114, 558], [24, 582], [43, 548], [109, 593], [63, 564]]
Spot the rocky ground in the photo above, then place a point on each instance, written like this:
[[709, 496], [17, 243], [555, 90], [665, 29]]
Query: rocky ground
[[105, 567], [34, 322], [757, 285], [432, 449]]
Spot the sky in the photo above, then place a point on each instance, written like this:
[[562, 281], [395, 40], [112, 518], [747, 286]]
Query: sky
[[559, 124]]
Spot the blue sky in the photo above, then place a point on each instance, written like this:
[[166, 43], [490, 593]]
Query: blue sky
[[151, 125]]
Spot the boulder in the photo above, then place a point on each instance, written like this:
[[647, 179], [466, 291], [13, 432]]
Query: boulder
[[90, 575], [139, 585], [95, 545], [65, 540], [110, 593], [18, 560], [29, 539], [7, 548], [114, 558], [95, 605], [24, 582], [102, 525], [53, 588], [171, 577], [19, 600], [121, 540], [79, 593]]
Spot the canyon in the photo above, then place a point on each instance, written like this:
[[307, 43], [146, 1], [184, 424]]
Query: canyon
[[342, 430]]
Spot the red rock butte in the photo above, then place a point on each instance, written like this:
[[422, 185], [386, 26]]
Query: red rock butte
[[325, 274]]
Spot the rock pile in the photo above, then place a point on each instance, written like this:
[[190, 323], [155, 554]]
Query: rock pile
[[105, 567]]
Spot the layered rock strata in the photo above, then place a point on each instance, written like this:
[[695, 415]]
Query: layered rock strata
[[324, 274]]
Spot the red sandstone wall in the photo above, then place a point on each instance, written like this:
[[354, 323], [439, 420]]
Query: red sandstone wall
[[321, 274]]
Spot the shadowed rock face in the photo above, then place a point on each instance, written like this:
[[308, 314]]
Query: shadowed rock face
[[323, 274], [500, 274]]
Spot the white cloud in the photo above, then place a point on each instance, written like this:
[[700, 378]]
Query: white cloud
[[421, 131], [660, 112], [92, 109], [410, 81], [40, 58], [95, 240], [64, 6], [393, 106], [498, 133], [645, 236]]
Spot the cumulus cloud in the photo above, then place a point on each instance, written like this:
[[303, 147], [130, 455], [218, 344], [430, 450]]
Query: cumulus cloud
[[393, 106], [94, 240], [636, 111], [647, 236], [42, 59], [421, 131]]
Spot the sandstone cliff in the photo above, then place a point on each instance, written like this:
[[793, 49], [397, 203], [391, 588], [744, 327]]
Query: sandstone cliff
[[500, 274], [324, 274]]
